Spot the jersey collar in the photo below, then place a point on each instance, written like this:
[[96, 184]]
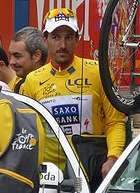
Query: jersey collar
[[69, 70]]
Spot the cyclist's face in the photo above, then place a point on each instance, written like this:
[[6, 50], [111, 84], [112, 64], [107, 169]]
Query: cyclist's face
[[20, 59], [61, 45]]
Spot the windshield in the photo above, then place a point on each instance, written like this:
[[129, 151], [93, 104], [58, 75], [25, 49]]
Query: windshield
[[127, 177]]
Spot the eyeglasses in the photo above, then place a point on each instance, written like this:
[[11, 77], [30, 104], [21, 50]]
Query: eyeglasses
[[55, 12]]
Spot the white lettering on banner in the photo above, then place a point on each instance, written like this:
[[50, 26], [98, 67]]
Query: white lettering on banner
[[59, 3], [101, 6], [75, 4], [67, 3], [51, 4], [85, 25], [40, 8]]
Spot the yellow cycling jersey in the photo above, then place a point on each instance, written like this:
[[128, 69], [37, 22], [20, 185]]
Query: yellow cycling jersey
[[75, 97], [16, 84], [12, 82]]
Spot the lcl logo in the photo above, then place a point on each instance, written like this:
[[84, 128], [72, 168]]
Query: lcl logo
[[78, 82], [75, 85]]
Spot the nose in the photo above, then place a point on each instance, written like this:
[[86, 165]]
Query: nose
[[63, 43], [12, 60]]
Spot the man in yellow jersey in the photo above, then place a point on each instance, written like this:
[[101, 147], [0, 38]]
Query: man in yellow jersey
[[70, 87], [27, 52], [7, 74]]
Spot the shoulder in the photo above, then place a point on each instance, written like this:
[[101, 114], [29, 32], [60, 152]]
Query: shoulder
[[90, 63], [14, 82], [39, 71], [91, 66], [35, 79], [38, 74]]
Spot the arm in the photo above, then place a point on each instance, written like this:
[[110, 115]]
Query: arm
[[28, 87], [6, 128], [115, 133]]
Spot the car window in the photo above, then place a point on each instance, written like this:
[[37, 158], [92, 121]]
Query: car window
[[128, 175]]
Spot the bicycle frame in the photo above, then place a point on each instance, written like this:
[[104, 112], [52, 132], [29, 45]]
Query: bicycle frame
[[130, 22]]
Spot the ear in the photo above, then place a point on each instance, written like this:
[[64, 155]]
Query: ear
[[37, 56], [46, 40], [77, 39], [2, 63]]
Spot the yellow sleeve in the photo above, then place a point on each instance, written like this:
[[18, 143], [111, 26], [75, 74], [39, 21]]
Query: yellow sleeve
[[28, 87], [115, 133], [6, 125], [13, 82], [41, 133], [114, 129]]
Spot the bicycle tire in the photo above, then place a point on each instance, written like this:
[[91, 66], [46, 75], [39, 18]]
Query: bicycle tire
[[125, 105]]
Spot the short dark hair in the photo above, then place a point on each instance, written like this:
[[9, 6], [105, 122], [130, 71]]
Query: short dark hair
[[3, 56], [46, 34]]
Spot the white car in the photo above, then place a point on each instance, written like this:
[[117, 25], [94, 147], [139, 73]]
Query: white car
[[52, 179], [124, 177]]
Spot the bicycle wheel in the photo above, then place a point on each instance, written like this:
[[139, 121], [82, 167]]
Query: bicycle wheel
[[119, 54]]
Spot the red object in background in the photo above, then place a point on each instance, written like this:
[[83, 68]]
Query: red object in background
[[138, 32], [6, 22], [0, 42], [88, 20], [89, 15]]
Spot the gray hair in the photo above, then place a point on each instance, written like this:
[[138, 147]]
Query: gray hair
[[34, 40]]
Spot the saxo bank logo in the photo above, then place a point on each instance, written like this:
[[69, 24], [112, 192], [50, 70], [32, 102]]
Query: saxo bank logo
[[66, 114]]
